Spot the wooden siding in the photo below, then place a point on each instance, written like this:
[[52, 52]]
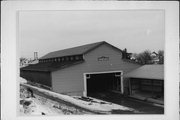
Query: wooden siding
[[68, 80], [115, 62], [71, 81], [43, 78]]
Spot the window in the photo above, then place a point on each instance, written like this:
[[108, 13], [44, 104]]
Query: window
[[59, 59], [77, 57], [71, 58]]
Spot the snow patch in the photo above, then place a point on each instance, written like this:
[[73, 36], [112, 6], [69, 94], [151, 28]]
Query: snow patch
[[22, 80], [38, 105], [89, 105]]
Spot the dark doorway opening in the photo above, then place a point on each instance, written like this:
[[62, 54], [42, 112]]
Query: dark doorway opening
[[103, 82]]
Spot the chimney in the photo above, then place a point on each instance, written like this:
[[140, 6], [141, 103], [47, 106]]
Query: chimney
[[125, 53], [35, 55]]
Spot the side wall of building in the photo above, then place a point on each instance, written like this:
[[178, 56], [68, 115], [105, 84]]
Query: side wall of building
[[104, 58], [43, 78]]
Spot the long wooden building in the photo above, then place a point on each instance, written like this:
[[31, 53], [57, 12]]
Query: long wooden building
[[82, 70]]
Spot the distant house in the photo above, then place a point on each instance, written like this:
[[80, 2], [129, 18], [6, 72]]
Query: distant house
[[155, 57], [35, 61], [147, 81], [82, 70], [23, 62]]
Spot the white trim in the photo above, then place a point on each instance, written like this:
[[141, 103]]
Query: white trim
[[104, 72], [85, 80], [122, 82], [85, 86]]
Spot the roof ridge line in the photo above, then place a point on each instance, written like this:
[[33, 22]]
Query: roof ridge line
[[93, 46]]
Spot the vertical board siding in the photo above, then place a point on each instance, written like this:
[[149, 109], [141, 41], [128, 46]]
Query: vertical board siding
[[70, 80], [114, 63]]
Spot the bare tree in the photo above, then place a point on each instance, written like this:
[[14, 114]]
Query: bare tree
[[161, 56], [144, 57], [23, 61]]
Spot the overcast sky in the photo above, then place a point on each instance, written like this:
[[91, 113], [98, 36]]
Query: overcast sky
[[47, 31]]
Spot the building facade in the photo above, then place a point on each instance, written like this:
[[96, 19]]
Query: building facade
[[82, 70], [147, 83]]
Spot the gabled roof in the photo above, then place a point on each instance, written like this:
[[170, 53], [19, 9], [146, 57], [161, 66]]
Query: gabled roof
[[148, 72], [154, 53], [50, 66], [75, 50]]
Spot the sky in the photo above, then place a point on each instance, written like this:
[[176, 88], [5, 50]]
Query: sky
[[48, 31]]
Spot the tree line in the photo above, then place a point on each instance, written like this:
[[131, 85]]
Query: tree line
[[147, 57]]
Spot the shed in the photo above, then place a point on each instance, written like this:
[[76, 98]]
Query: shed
[[81, 70], [147, 80]]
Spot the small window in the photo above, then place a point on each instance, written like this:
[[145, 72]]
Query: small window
[[59, 59], [71, 58], [67, 58], [77, 57], [62, 59]]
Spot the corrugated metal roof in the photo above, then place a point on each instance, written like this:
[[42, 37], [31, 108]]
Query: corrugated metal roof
[[50, 66], [73, 51], [147, 71]]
